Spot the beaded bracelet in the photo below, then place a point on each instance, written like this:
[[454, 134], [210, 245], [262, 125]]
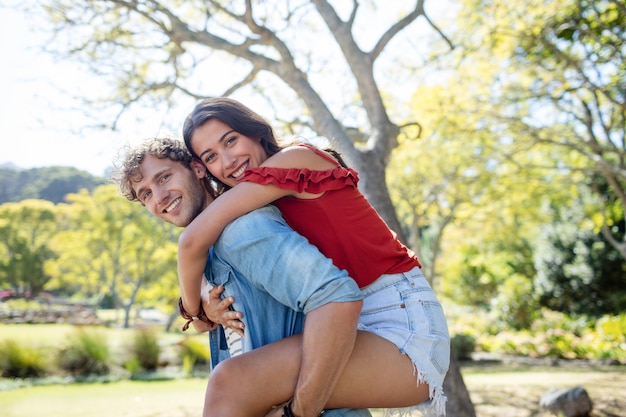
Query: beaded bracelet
[[201, 315]]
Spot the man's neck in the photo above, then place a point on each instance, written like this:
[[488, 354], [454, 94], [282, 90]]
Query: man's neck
[[208, 199]]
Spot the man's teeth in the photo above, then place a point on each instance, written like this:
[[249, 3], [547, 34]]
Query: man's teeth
[[172, 206]]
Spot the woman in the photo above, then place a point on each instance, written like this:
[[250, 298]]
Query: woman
[[402, 353]]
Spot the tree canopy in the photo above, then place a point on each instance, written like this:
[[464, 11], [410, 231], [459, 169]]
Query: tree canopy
[[112, 247], [562, 85], [25, 230], [48, 183], [512, 128]]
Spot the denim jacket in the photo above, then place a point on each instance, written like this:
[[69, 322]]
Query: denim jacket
[[275, 276]]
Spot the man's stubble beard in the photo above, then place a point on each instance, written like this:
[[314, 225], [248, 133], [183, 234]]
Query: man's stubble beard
[[198, 200]]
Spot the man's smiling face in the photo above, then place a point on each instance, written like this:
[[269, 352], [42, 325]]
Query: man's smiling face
[[171, 191]]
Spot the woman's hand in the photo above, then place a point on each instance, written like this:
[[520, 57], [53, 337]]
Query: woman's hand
[[218, 310]]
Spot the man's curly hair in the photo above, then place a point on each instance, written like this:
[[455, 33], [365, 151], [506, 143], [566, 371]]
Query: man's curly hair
[[127, 169]]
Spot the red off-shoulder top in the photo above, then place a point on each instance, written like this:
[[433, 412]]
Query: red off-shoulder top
[[341, 222]]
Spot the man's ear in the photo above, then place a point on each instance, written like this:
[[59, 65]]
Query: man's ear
[[198, 168]]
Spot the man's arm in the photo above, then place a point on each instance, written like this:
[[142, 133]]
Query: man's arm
[[264, 250]]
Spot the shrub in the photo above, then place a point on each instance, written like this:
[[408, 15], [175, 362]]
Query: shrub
[[463, 345], [145, 349], [86, 354], [133, 366], [578, 271], [20, 361], [560, 336], [515, 304], [193, 352], [613, 327]]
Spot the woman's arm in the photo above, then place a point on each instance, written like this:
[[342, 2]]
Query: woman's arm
[[202, 233], [328, 340], [198, 237]]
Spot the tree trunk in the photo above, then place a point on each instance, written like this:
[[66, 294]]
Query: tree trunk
[[459, 402]]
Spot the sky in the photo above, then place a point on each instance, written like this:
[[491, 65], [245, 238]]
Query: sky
[[38, 126]]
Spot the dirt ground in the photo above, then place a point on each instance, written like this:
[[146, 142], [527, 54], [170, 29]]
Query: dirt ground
[[510, 388]]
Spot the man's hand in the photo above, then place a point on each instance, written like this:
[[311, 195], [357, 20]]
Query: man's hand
[[202, 327], [218, 310]]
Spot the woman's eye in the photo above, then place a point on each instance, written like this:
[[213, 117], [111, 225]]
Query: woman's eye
[[231, 140], [209, 158]]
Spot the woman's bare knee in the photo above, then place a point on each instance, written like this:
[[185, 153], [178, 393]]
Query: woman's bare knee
[[249, 384], [222, 393]]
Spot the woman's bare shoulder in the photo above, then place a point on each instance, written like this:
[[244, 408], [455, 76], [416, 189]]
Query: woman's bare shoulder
[[298, 157]]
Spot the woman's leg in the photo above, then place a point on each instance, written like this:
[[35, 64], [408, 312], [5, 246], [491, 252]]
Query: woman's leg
[[377, 375]]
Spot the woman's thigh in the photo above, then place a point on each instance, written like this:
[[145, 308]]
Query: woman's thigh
[[249, 384], [376, 375]]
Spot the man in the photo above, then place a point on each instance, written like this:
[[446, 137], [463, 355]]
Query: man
[[253, 261]]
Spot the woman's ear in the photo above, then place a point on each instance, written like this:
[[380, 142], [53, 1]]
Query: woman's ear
[[198, 168]]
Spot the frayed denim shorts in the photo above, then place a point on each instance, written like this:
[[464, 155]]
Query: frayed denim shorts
[[403, 309]]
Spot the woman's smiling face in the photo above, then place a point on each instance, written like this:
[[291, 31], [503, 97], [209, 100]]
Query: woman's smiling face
[[225, 152]]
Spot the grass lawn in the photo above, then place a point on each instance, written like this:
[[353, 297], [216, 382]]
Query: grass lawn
[[179, 398], [502, 391]]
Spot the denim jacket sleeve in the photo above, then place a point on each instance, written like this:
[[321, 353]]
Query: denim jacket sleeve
[[261, 247]]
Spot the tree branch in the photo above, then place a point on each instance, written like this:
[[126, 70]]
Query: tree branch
[[397, 28]]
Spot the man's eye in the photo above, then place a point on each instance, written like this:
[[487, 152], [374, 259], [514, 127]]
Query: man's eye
[[146, 195]]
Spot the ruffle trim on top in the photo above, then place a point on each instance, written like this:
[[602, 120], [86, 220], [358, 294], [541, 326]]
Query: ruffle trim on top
[[303, 179]]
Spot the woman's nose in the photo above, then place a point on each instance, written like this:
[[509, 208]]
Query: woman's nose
[[228, 160]]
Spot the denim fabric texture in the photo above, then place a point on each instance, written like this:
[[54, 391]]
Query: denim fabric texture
[[403, 309], [260, 261]]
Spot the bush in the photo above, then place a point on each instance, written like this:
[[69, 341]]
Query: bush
[[515, 303], [463, 345], [561, 336], [578, 270], [613, 327], [87, 354], [19, 361], [193, 352], [133, 366], [145, 349]]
